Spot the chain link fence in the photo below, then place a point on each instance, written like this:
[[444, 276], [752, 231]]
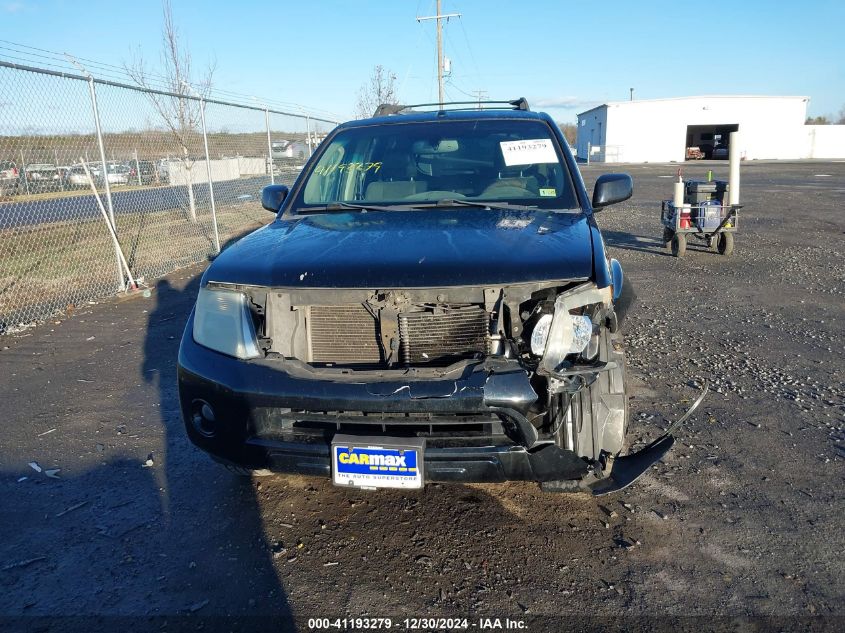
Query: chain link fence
[[96, 173]]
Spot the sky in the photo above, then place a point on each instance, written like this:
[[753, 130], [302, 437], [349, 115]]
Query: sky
[[565, 57]]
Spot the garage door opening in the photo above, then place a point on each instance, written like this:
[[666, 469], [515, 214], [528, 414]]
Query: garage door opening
[[712, 141]]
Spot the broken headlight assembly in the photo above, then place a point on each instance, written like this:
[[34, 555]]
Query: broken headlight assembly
[[223, 322], [569, 329], [576, 337]]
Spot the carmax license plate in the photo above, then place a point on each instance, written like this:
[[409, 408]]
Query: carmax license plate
[[377, 462]]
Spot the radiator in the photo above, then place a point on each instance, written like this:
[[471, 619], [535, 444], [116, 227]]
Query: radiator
[[431, 338], [348, 335]]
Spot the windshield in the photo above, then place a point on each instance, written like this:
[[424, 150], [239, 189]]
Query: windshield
[[408, 164]]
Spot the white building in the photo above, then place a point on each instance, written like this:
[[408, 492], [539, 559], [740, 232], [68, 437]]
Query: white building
[[660, 130]]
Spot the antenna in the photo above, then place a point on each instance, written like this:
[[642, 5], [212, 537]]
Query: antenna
[[438, 18]]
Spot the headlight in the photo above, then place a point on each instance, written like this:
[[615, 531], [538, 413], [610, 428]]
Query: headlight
[[570, 333], [222, 322], [540, 334], [573, 339]]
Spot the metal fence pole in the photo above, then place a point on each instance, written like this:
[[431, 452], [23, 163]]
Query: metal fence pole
[[208, 171], [96, 110], [23, 170], [137, 167], [308, 135], [269, 145]]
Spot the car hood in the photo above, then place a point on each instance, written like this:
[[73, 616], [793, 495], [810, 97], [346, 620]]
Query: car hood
[[407, 249]]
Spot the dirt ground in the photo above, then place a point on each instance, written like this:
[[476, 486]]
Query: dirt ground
[[739, 528]]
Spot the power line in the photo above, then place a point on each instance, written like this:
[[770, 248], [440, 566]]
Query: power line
[[59, 61]]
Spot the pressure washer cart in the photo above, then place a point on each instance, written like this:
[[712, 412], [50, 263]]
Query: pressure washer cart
[[705, 214]]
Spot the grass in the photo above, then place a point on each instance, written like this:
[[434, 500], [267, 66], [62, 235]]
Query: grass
[[50, 268]]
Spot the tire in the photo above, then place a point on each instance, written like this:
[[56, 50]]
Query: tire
[[679, 245], [600, 411], [668, 234], [725, 244]]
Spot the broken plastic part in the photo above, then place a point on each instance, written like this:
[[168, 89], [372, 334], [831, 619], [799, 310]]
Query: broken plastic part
[[627, 469]]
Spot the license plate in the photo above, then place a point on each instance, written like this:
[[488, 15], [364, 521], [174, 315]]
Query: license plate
[[377, 462]]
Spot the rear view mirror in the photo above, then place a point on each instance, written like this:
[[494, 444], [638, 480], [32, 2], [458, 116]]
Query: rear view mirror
[[612, 188], [272, 197]]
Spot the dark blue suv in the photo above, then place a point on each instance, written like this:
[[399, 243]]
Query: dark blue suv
[[433, 302]]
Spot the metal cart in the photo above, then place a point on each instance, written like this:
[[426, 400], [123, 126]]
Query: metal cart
[[702, 216]]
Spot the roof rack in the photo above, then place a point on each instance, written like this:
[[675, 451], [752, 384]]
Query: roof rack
[[386, 109]]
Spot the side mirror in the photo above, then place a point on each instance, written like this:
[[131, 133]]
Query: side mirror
[[612, 188], [272, 197]]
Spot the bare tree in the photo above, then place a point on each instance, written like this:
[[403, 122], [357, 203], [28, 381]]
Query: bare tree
[[841, 119], [381, 88], [180, 112], [570, 132], [817, 120]]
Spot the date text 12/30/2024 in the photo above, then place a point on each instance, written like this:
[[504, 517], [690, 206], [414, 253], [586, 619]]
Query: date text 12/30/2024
[[415, 624]]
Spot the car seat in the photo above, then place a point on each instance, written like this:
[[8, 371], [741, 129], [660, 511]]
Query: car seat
[[395, 180], [513, 182]]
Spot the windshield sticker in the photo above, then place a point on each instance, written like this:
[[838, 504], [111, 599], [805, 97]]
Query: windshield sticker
[[325, 170], [547, 193], [528, 152]]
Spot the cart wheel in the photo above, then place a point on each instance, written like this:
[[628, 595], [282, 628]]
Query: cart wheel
[[668, 234], [725, 245], [679, 244]]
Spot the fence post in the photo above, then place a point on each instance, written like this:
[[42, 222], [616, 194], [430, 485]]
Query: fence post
[[137, 166], [269, 146], [121, 281], [208, 171], [23, 170], [308, 135], [589, 151]]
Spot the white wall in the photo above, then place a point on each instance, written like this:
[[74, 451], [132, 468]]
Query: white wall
[[221, 169], [592, 130], [656, 130], [825, 141]]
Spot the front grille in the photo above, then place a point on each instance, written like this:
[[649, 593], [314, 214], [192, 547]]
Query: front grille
[[349, 335], [466, 429], [432, 338], [346, 335]]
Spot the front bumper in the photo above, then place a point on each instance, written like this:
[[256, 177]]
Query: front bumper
[[269, 413]]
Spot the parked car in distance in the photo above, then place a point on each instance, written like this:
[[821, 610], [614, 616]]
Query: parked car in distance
[[433, 302], [142, 172], [9, 177], [117, 173], [288, 149], [76, 177], [41, 171], [41, 178]]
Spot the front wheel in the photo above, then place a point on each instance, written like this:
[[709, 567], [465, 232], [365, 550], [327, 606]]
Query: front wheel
[[597, 419], [668, 234], [725, 244]]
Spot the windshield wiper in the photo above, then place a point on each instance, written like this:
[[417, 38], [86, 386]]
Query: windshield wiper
[[455, 202], [348, 206]]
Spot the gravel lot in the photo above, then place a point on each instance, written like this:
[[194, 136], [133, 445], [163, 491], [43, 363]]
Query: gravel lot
[[743, 518]]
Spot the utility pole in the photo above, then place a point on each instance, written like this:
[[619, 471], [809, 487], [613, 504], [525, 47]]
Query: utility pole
[[632, 93], [438, 18], [480, 95]]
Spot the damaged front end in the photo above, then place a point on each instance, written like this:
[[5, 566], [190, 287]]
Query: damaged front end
[[523, 381]]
